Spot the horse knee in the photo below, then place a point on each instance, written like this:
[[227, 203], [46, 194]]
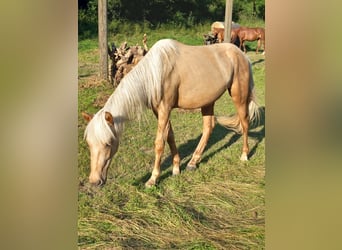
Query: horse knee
[[158, 147]]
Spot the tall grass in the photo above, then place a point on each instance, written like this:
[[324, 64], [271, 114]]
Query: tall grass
[[219, 206]]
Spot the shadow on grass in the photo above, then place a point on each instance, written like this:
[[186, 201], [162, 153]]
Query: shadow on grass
[[251, 48], [185, 150], [85, 75], [258, 61]]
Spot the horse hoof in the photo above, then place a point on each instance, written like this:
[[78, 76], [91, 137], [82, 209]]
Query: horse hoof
[[175, 172], [191, 167], [150, 183], [244, 157]]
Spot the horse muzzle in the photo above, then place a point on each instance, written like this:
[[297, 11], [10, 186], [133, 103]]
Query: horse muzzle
[[98, 183]]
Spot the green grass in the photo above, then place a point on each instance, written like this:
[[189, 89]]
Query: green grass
[[221, 205]]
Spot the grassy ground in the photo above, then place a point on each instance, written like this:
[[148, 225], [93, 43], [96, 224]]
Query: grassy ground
[[219, 206]]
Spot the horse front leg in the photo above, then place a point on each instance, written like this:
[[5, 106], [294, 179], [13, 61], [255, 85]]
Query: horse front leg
[[244, 47], [159, 144], [241, 41], [208, 125], [172, 145]]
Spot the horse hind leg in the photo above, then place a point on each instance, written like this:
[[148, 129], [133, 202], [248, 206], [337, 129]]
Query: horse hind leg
[[259, 45], [208, 125], [243, 115], [238, 123], [241, 103], [241, 96], [174, 150]]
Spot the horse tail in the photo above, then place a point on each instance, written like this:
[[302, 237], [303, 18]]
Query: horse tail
[[233, 122]]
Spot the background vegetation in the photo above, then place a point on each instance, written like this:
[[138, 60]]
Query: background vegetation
[[153, 13], [219, 206]]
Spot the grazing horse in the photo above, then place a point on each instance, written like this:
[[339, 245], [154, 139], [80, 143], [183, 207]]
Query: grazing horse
[[217, 30], [217, 36], [173, 75], [251, 34]]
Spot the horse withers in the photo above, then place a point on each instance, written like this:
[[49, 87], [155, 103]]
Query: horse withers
[[173, 75]]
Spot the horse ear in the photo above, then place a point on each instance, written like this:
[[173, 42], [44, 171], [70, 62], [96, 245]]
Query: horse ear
[[109, 118], [87, 116]]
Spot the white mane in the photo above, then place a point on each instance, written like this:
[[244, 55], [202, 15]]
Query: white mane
[[141, 88]]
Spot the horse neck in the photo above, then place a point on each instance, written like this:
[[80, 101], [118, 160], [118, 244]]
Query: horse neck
[[126, 102], [141, 87]]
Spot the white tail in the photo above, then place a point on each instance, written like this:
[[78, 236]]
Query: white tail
[[233, 122]]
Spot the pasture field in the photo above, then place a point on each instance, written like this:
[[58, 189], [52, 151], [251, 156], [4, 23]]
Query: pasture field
[[221, 205]]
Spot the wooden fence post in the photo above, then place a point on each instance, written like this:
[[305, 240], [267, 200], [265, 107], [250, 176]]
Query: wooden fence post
[[228, 20], [103, 42]]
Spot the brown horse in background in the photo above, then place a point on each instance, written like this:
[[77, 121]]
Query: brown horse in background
[[251, 34], [234, 36]]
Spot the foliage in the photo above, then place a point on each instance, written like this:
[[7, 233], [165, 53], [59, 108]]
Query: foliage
[[152, 13], [248, 10]]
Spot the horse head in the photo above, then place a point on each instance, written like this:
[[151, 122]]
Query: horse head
[[103, 144], [209, 39]]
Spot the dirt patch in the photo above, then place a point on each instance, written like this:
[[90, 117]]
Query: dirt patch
[[101, 100], [90, 82], [179, 110]]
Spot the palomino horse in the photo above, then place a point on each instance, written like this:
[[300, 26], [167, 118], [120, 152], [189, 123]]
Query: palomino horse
[[251, 34], [217, 30], [173, 75]]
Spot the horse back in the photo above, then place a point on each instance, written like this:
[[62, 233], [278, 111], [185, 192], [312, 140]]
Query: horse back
[[215, 25], [203, 73], [249, 34]]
